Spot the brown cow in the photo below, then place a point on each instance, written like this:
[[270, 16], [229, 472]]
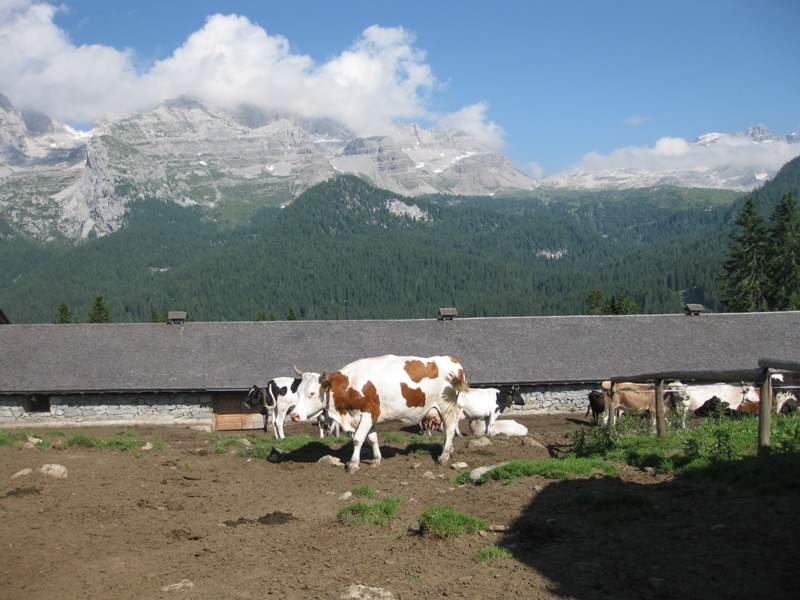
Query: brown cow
[[640, 397]]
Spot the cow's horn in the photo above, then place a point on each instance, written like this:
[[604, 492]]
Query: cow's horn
[[298, 371]]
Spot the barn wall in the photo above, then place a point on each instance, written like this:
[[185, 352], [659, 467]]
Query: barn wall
[[193, 410]]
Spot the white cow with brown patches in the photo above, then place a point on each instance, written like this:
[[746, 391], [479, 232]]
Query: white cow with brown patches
[[379, 389]]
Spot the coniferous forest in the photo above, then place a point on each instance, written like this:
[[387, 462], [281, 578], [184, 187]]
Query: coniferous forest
[[347, 250]]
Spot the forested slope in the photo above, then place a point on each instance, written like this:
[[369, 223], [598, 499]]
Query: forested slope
[[338, 251]]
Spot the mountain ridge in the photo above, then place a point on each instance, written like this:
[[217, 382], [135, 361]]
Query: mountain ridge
[[60, 184]]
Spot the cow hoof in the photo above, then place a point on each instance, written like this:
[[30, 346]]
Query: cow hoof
[[376, 463], [352, 467]]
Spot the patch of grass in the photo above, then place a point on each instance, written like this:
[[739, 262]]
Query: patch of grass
[[221, 445], [492, 552], [122, 441], [394, 437], [565, 468], [614, 507], [365, 491], [443, 522], [374, 513], [11, 438], [425, 444]]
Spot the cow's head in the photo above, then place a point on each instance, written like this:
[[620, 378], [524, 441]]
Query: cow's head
[[677, 393], [253, 398], [750, 394], [310, 396], [509, 396]]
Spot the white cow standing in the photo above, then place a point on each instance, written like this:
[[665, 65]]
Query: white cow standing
[[379, 389]]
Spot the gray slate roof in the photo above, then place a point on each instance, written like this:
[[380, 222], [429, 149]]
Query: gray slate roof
[[529, 350]]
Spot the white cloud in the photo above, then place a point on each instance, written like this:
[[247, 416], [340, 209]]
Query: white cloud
[[672, 154], [381, 78], [534, 169], [637, 120], [472, 120]]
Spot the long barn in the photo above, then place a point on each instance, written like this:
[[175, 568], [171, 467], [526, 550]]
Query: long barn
[[196, 374]]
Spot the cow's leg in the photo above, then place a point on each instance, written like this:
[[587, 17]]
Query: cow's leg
[[450, 416], [364, 427], [372, 438], [610, 414], [278, 417]]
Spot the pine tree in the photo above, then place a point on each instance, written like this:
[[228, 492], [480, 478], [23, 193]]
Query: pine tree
[[100, 311], [784, 256], [623, 304], [745, 282], [596, 302], [64, 314]]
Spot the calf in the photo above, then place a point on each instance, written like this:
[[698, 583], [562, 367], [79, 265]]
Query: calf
[[597, 404], [486, 403]]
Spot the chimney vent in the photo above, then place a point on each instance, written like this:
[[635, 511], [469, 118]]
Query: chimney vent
[[176, 317], [692, 310], [447, 314]]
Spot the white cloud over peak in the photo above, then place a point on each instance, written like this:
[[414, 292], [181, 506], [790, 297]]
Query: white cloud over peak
[[382, 77], [472, 120], [673, 154]]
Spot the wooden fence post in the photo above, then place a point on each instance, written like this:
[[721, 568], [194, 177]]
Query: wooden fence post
[[765, 412], [661, 428]]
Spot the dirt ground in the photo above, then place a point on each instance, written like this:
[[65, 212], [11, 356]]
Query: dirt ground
[[184, 522]]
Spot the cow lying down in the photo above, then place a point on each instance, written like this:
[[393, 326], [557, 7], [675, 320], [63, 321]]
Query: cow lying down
[[511, 428]]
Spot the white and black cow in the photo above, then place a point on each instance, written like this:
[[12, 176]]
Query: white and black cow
[[383, 388], [484, 403], [476, 404], [276, 399]]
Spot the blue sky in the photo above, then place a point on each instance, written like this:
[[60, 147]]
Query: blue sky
[[555, 84]]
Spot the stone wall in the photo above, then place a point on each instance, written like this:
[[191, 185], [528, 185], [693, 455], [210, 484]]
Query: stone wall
[[194, 410], [556, 398]]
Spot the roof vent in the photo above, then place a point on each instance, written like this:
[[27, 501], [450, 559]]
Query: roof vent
[[447, 314], [176, 317], [692, 310]]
